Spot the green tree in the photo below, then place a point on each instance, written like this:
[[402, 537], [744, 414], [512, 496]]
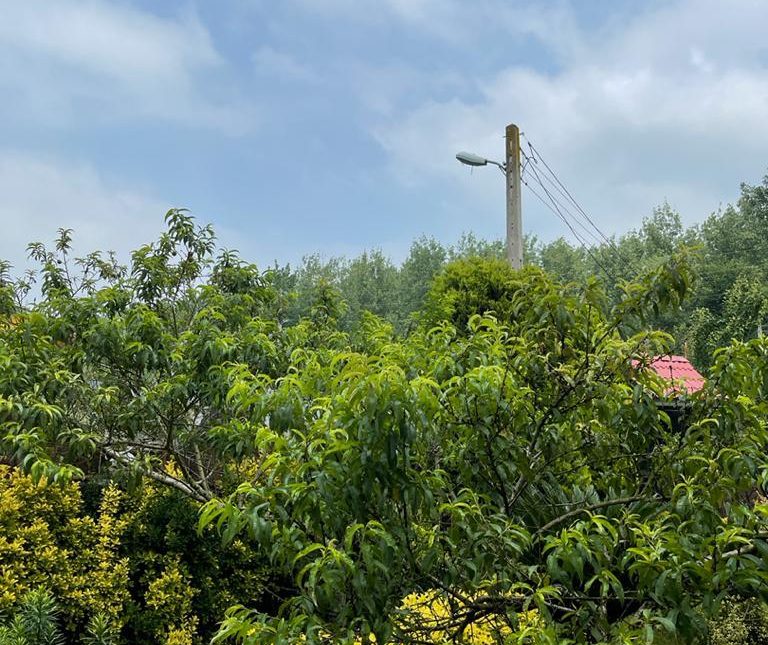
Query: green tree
[[520, 462], [425, 260], [468, 287], [123, 369], [562, 260], [298, 286], [510, 458], [369, 283], [742, 315]]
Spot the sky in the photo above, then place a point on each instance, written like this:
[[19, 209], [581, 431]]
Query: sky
[[331, 126]]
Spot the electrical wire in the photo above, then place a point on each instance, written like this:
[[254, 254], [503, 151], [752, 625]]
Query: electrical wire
[[564, 219], [563, 213], [558, 193], [593, 239], [551, 177], [537, 156], [560, 187], [555, 205]]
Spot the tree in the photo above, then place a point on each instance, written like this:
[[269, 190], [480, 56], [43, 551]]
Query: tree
[[744, 311], [425, 260], [369, 283], [468, 287], [563, 261], [519, 463], [122, 367], [508, 461]]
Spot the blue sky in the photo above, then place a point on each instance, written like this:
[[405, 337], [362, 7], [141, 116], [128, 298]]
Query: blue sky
[[330, 126]]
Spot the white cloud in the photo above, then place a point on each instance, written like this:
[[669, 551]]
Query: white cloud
[[670, 105], [111, 60], [39, 196]]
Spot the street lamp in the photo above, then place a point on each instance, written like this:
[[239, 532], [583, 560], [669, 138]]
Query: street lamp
[[511, 170], [471, 159]]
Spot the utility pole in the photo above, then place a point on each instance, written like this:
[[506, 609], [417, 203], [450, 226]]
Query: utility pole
[[514, 203], [511, 170]]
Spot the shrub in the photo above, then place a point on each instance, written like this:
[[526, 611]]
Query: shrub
[[47, 540], [740, 622], [35, 622], [136, 568]]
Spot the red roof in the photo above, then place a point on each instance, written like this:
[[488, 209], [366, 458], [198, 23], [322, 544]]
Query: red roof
[[679, 370]]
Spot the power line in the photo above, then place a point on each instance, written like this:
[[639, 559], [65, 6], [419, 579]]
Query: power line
[[556, 187], [563, 213], [623, 257], [563, 190], [557, 212], [563, 207], [559, 187]]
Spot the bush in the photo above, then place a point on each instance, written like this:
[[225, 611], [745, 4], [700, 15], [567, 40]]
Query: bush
[[472, 286], [35, 622], [741, 622], [47, 540], [182, 580], [135, 569]]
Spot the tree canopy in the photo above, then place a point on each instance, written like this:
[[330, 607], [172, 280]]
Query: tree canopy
[[504, 462]]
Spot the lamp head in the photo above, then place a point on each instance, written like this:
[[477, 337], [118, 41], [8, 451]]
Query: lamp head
[[471, 159]]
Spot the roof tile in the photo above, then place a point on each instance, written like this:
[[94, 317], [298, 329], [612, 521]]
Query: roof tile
[[679, 370]]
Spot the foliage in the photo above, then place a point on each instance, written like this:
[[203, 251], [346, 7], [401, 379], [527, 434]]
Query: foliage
[[101, 631], [137, 569], [47, 540], [179, 578], [467, 287], [732, 254], [127, 368], [35, 622], [425, 260], [507, 457], [527, 441], [741, 622], [431, 615]]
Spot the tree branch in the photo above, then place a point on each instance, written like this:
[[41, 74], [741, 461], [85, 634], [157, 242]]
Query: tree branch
[[589, 509], [160, 477]]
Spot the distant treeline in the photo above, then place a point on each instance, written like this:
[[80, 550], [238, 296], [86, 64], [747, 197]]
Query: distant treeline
[[730, 300]]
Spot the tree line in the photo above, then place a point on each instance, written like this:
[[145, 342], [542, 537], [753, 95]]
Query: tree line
[[730, 260]]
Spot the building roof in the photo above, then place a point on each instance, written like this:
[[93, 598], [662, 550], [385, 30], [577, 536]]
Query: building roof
[[679, 370]]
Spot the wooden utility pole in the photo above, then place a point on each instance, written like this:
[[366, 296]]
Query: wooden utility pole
[[514, 204]]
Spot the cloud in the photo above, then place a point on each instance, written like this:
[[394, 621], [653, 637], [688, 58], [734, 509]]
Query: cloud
[[274, 63], [669, 105], [41, 195], [111, 61], [452, 20]]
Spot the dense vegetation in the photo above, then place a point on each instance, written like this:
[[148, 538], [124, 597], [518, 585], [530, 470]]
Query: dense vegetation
[[730, 300], [445, 451]]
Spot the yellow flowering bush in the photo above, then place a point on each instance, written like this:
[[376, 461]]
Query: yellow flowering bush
[[170, 597], [136, 560], [182, 635], [430, 613], [182, 581], [47, 540]]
